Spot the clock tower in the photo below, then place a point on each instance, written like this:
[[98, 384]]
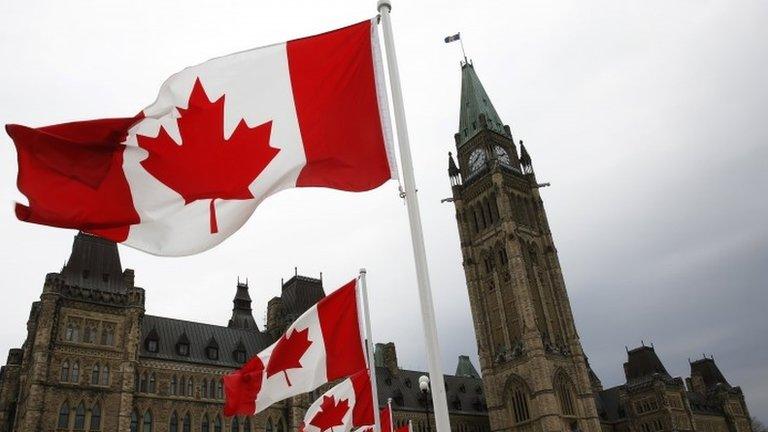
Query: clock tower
[[534, 371]]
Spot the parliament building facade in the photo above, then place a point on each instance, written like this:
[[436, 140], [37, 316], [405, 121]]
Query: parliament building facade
[[93, 360]]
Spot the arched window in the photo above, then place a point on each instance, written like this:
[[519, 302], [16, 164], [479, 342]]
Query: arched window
[[174, 424], [105, 376], [187, 424], [190, 384], [69, 334], [108, 334], [564, 394], [205, 426], [96, 417], [147, 423], [217, 424], [235, 427], [519, 402], [143, 386], [212, 390], [64, 377], [75, 372], [95, 375], [134, 422], [182, 385], [219, 390], [281, 425], [64, 416], [174, 386], [80, 417], [87, 333], [152, 382], [268, 427], [204, 388], [247, 425]]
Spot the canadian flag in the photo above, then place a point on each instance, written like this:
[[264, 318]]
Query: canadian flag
[[387, 422], [346, 405], [190, 169], [322, 345]]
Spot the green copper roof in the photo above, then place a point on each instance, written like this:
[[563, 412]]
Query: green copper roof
[[474, 102], [465, 368]]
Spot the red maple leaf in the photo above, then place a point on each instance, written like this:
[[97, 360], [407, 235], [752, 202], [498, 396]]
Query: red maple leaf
[[331, 413], [288, 352], [205, 165]]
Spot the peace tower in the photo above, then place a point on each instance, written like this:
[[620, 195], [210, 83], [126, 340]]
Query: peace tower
[[534, 370]]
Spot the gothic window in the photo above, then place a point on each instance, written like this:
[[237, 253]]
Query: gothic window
[[182, 386], [268, 427], [80, 417], [134, 422], [206, 425], [72, 333], [108, 334], [173, 426], [90, 331], [95, 375], [204, 388], [105, 376], [281, 425], [475, 225], [235, 427], [519, 402], [75, 372], [187, 424], [96, 417], [147, 423], [211, 390], [217, 424], [174, 386], [219, 390], [564, 394], [143, 385], [247, 425], [190, 384], [64, 377], [64, 416], [87, 334], [152, 382]]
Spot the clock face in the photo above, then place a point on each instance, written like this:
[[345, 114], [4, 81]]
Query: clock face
[[502, 155], [476, 160]]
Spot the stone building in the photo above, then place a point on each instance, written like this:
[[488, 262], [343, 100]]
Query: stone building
[[94, 360], [534, 369]]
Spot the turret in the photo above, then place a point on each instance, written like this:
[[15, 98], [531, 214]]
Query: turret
[[242, 314]]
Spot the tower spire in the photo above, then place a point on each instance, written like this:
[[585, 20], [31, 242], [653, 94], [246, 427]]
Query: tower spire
[[242, 314], [477, 111]]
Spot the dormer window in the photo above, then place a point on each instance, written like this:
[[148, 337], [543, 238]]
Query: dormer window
[[182, 345], [152, 342], [152, 346], [239, 353], [212, 350]]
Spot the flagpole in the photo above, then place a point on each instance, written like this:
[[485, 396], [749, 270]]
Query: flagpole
[[439, 402], [369, 349], [391, 416]]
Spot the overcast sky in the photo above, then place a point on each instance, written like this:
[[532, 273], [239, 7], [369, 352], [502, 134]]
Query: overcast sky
[[649, 118]]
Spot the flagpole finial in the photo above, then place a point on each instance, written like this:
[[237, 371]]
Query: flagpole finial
[[363, 271], [384, 3]]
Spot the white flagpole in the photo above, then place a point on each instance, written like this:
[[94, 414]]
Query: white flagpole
[[391, 416], [369, 349], [439, 402]]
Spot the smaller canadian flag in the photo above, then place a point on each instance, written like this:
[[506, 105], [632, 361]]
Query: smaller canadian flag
[[347, 405], [322, 345]]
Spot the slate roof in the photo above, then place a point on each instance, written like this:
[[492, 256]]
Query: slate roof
[[465, 368], [643, 362], [608, 405], [299, 294], [474, 102], [709, 372], [94, 263], [465, 394], [170, 330]]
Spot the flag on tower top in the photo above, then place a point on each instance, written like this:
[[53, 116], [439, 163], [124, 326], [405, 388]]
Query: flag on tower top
[[189, 170], [453, 38]]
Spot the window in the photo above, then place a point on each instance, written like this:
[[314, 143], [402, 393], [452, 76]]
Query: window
[[281, 425], [134, 422], [143, 384], [95, 375], [152, 345], [190, 384], [64, 416], [519, 401], [105, 376], [235, 427], [217, 424], [108, 334], [174, 424], [219, 390], [75, 372], [96, 417], [72, 333], [204, 387], [80, 417], [64, 377], [206, 425], [182, 385], [240, 356], [564, 394], [211, 390], [187, 424], [247, 425], [268, 427], [183, 349], [152, 382], [147, 423], [174, 387]]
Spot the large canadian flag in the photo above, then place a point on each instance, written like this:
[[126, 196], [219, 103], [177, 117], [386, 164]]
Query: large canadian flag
[[189, 170], [322, 345], [347, 405]]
